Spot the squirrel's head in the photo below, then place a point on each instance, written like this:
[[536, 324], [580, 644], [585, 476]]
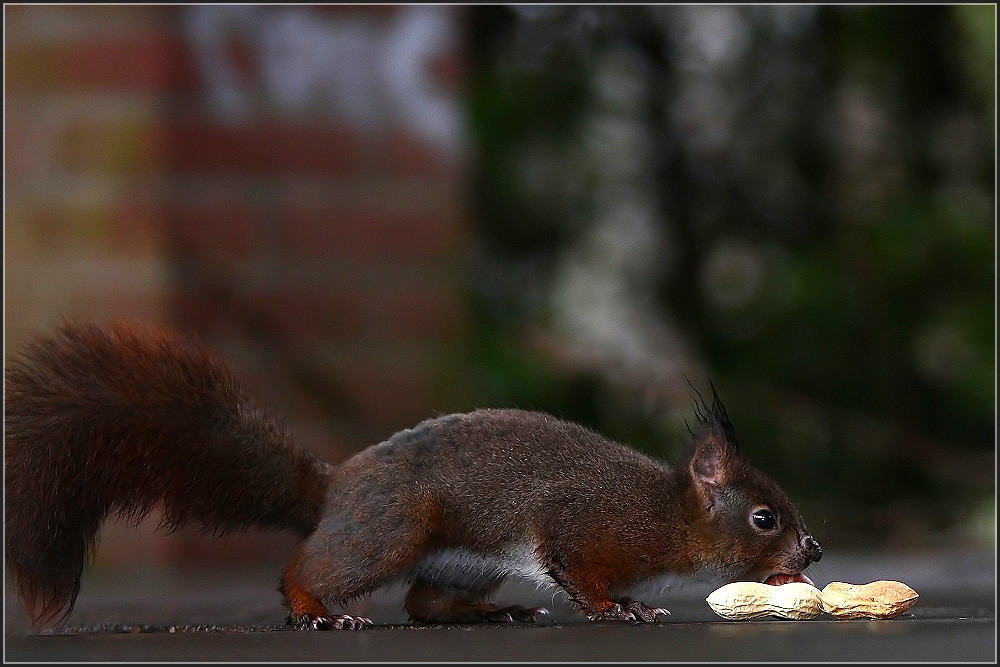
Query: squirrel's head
[[747, 522]]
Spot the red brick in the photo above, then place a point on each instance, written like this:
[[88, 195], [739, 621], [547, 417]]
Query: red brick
[[151, 62], [199, 311], [369, 233], [136, 224], [120, 227], [23, 158], [129, 303], [421, 310], [112, 147], [407, 155], [393, 399], [301, 312], [30, 67], [221, 231], [314, 312], [426, 312], [449, 71], [50, 228], [263, 147]]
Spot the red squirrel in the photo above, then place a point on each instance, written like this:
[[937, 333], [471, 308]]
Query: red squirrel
[[119, 418]]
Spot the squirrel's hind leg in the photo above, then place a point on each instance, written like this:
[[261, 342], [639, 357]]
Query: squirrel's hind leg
[[306, 612], [350, 555], [426, 603]]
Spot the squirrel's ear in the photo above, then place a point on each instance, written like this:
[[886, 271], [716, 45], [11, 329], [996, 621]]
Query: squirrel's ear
[[712, 461], [715, 456]]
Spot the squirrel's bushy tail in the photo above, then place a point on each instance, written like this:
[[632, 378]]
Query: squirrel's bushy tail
[[116, 419]]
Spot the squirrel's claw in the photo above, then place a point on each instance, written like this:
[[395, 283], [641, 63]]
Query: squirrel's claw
[[629, 610], [641, 611], [333, 622], [345, 622]]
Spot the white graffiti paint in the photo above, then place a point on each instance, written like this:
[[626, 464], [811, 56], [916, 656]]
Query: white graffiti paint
[[358, 70]]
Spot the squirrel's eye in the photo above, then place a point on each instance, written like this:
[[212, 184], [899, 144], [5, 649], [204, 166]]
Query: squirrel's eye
[[763, 519]]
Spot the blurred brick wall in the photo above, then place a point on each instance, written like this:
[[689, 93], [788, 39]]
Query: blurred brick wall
[[284, 182]]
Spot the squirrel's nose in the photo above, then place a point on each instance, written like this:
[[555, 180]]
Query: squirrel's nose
[[812, 547]]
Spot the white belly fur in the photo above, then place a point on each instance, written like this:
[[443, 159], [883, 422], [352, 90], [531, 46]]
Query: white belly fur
[[459, 568]]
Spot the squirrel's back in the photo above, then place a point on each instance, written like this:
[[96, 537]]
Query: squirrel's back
[[508, 476], [119, 418], [514, 449]]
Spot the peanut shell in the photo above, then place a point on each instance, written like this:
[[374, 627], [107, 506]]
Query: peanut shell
[[749, 599], [879, 599]]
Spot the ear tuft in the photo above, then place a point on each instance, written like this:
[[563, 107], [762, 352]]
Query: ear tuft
[[713, 418], [714, 455]]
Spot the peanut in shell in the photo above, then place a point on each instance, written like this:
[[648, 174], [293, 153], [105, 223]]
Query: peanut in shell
[[749, 599], [878, 599]]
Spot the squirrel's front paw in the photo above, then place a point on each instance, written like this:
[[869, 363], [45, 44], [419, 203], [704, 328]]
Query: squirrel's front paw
[[628, 610], [333, 622]]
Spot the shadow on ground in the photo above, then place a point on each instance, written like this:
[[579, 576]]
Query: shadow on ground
[[155, 617]]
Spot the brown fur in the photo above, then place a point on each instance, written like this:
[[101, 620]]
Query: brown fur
[[116, 419]]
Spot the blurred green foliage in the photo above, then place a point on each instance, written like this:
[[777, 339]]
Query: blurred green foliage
[[848, 316]]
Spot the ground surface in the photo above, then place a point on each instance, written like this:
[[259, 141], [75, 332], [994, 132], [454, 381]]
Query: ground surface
[[221, 618]]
